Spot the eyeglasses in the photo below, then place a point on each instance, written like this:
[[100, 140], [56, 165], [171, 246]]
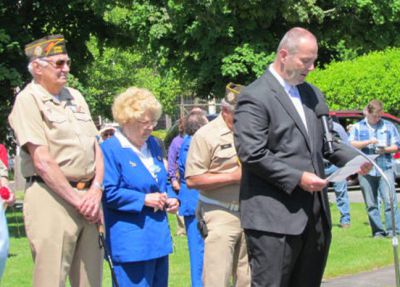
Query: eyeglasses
[[147, 124], [59, 63]]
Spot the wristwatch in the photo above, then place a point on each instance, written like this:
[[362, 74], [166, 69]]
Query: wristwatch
[[98, 185]]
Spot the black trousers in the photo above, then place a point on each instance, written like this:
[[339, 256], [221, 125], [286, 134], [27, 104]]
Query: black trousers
[[279, 260]]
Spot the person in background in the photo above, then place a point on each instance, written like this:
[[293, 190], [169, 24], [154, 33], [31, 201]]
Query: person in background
[[374, 135], [63, 166], [213, 168], [6, 199], [173, 152], [136, 193], [173, 174], [340, 187], [106, 132], [189, 198]]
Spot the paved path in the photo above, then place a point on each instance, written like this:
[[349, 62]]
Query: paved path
[[379, 278], [355, 196]]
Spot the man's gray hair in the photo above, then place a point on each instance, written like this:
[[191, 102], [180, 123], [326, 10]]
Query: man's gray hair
[[227, 106], [41, 63], [292, 38]]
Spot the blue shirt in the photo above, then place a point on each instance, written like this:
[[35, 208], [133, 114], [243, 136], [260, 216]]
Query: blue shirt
[[187, 196], [385, 132], [339, 129], [135, 232]]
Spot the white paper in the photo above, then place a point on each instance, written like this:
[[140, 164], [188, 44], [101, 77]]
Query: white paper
[[350, 168]]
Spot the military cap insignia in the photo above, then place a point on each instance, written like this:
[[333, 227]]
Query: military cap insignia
[[231, 93], [38, 51], [133, 164]]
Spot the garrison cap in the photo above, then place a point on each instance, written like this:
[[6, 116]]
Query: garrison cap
[[232, 92], [45, 47]]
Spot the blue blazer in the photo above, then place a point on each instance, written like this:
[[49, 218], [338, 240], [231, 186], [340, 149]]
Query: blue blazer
[[134, 231], [188, 197]]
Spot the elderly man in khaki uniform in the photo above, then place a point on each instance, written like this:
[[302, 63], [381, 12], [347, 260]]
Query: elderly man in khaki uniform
[[213, 168], [63, 166]]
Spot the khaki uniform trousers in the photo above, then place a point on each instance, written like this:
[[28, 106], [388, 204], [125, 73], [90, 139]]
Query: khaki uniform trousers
[[62, 241], [225, 250]]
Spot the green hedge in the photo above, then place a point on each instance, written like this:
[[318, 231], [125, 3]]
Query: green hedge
[[352, 84]]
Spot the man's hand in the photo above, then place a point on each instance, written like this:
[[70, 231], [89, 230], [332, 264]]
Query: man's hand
[[100, 218], [365, 168], [11, 200], [373, 141], [237, 174], [311, 182], [90, 204], [175, 185], [156, 200], [172, 205]]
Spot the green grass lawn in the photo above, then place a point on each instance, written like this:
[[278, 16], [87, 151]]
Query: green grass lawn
[[353, 250]]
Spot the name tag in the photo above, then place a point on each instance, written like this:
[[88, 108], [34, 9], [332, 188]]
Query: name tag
[[225, 146]]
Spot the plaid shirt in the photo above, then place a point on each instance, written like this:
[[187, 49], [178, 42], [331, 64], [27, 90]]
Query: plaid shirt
[[386, 134]]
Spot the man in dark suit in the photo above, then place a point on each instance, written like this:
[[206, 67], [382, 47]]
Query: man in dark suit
[[280, 142]]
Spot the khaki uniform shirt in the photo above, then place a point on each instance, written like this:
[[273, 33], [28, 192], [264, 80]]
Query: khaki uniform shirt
[[212, 150], [62, 123]]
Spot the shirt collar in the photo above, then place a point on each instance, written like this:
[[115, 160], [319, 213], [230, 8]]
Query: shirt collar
[[281, 81], [221, 125], [46, 96], [125, 143]]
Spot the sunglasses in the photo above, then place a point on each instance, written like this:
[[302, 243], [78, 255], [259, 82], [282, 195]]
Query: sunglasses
[[58, 63]]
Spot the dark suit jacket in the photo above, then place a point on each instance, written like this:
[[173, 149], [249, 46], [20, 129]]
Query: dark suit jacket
[[275, 149]]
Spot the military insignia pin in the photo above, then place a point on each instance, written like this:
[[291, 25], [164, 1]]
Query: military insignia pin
[[133, 164]]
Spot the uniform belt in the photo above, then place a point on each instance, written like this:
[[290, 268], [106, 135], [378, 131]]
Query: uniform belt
[[80, 185], [230, 206]]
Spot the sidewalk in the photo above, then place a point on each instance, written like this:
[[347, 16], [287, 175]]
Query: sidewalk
[[384, 277]]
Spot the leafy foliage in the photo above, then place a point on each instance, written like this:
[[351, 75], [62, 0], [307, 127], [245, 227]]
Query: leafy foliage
[[352, 84], [216, 41], [24, 21], [116, 69], [178, 47]]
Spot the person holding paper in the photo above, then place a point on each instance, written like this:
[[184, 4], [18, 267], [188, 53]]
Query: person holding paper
[[279, 137], [374, 135]]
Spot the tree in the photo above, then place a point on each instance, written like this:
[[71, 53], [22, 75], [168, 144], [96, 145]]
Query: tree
[[115, 69], [215, 41], [24, 21], [184, 45]]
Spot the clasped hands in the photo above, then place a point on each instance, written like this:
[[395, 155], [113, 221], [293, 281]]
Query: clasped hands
[[89, 205], [160, 201]]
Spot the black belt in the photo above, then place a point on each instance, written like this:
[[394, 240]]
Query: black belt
[[75, 184]]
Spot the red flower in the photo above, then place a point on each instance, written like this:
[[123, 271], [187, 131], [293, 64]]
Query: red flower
[[4, 193]]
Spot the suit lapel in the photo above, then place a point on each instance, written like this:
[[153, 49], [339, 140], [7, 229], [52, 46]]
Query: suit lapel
[[287, 104]]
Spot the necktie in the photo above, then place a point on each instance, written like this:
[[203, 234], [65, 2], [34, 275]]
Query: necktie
[[295, 97]]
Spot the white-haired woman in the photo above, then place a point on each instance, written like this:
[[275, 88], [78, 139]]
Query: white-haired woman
[[136, 195]]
